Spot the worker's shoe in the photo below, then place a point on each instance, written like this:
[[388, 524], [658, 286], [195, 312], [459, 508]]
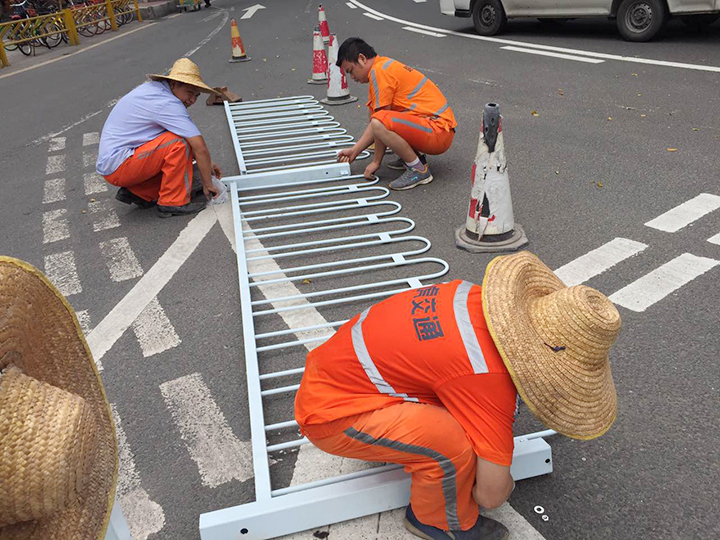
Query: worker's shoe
[[484, 529], [399, 165], [126, 196], [412, 178], [184, 210]]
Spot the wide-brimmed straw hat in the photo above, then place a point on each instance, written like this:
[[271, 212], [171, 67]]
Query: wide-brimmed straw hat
[[185, 71], [554, 341], [58, 453]]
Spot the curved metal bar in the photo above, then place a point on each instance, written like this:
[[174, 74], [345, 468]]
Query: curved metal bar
[[297, 157], [269, 100], [320, 191], [263, 103], [301, 121], [384, 190], [363, 223], [319, 211], [283, 114], [319, 136], [240, 114], [298, 147], [326, 129]]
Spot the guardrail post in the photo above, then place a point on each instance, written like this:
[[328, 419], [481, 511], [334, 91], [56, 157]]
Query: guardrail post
[[137, 11], [3, 57], [69, 22], [111, 14]]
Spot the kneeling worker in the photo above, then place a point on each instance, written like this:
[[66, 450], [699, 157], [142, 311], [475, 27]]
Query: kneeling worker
[[408, 114], [437, 392], [148, 144]]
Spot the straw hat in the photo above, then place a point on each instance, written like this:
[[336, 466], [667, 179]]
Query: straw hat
[[554, 341], [185, 71], [58, 454]]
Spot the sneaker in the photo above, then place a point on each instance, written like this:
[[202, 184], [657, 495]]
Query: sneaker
[[399, 165], [124, 195], [412, 178], [184, 210], [484, 529]]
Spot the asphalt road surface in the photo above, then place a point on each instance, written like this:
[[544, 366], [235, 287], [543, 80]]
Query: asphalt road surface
[[604, 138]]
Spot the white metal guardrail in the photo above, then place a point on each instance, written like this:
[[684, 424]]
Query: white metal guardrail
[[294, 204]]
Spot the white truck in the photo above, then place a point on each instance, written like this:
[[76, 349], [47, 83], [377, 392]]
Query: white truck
[[637, 20]]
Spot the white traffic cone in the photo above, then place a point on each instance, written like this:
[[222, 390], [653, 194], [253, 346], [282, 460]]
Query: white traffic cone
[[322, 22], [490, 225], [338, 92], [320, 64]]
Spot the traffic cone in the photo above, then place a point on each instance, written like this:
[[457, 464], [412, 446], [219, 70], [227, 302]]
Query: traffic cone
[[238, 51], [337, 87], [490, 225], [320, 64], [322, 22]]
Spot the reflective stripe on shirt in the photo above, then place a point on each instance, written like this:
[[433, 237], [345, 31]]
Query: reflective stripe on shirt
[[417, 88], [375, 88], [467, 332]]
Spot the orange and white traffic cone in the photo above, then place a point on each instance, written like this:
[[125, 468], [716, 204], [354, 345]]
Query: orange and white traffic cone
[[337, 87], [490, 225], [322, 23], [238, 51], [320, 63]]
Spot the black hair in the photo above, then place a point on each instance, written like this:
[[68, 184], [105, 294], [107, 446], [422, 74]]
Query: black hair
[[352, 48]]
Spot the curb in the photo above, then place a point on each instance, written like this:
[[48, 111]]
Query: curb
[[157, 10]]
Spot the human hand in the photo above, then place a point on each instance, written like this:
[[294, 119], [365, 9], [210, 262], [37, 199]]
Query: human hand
[[210, 192], [371, 169], [216, 170], [346, 155]]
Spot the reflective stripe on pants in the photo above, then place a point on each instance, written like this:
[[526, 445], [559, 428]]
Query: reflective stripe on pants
[[421, 133], [159, 170], [441, 460]]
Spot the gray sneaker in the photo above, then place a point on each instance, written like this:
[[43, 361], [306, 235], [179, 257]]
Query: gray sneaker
[[412, 178], [399, 165], [484, 529]]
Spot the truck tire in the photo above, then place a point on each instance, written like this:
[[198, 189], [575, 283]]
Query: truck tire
[[488, 17], [641, 20]]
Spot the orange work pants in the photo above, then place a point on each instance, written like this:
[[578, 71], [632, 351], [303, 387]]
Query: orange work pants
[[160, 170], [431, 445], [422, 134]]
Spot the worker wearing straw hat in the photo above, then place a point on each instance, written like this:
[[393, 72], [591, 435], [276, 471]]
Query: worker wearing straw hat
[[58, 454], [148, 144], [438, 393]]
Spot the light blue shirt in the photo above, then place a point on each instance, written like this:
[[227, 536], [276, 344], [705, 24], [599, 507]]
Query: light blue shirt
[[139, 117]]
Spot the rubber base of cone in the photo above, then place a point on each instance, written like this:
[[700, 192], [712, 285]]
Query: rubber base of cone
[[341, 101], [236, 60], [317, 81], [515, 242]]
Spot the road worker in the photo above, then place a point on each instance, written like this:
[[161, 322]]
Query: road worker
[[429, 378], [408, 114], [149, 142]]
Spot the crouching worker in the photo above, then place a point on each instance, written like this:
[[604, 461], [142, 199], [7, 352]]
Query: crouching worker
[[149, 142], [408, 114], [438, 393]]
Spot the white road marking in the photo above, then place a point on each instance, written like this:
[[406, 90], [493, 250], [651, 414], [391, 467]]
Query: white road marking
[[55, 164], [419, 1], [154, 331], [218, 453], [90, 158], [66, 128], [94, 183], [675, 219], [351, 5], [213, 16], [715, 239], [55, 226], [373, 16], [144, 517], [57, 144], [91, 138], [54, 190], [120, 259], [108, 218], [105, 334], [630, 59], [84, 320], [652, 287], [598, 260], [61, 270], [421, 31], [554, 55], [226, 16], [250, 11]]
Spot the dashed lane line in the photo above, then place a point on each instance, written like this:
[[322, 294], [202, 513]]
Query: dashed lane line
[[120, 259], [60, 268], [598, 260], [154, 331], [94, 183], [55, 164], [90, 158], [54, 190], [421, 31], [56, 144], [55, 226], [553, 54], [91, 138], [105, 216], [684, 214]]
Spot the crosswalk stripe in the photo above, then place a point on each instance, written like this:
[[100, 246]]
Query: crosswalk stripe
[[61, 270], [84, 319], [598, 260], [55, 226], [55, 164], [56, 144], [715, 239], [54, 190], [94, 183], [682, 215], [144, 516], [154, 331], [120, 259], [220, 456], [91, 138], [108, 218], [90, 158], [650, 288]]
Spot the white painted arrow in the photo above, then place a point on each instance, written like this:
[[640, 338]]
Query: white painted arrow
[[249, 12]]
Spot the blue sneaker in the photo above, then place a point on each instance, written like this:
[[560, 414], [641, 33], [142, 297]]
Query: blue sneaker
[[412, 178], [484, 529]]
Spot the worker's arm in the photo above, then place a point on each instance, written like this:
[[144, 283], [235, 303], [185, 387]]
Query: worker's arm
[[493, 484], [366, 139], [205, 165]]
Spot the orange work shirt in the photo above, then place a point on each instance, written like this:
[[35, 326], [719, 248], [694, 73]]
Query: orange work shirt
[[428, 345], [404, 89]]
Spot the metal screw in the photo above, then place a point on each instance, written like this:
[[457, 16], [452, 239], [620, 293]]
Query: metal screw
[[545, 518]]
